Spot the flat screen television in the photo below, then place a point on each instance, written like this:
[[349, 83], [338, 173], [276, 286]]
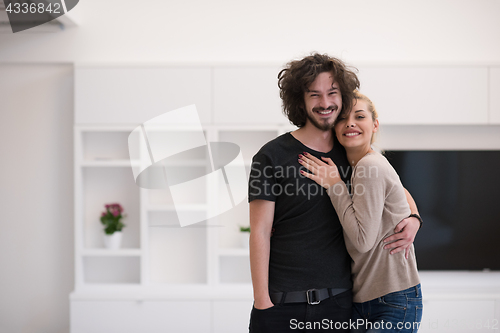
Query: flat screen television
[[458, 197]]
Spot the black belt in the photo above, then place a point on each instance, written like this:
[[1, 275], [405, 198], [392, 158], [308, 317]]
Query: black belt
[[311, 296]]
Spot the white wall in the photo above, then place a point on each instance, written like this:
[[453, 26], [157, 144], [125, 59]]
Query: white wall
[[263, 31], [36, 102], [36, 198]]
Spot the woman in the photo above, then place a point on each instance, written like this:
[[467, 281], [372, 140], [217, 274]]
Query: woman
[[386, 288]]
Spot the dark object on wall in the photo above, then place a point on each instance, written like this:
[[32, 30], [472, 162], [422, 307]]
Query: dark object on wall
[[458, 197]]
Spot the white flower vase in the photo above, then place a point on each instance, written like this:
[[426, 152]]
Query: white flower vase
[[245, 240], [113, 241]]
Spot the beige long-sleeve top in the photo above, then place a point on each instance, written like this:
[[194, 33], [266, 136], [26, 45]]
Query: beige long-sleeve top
[[377, 205]]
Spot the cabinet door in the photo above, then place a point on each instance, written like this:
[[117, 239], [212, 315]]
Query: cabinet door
[[105, 316], [427, 95], [495, 95], [247, 95], [231, 316], [458, 316], [133, 95], [132, 316], [176, 316]]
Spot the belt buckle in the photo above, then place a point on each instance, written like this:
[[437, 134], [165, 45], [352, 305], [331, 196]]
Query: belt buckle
[[316, 293]]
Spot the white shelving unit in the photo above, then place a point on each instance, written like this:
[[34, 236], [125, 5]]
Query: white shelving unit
[[103, 175], [206, 260]]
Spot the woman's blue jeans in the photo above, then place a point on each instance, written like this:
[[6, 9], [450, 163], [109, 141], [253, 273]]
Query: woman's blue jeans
[[400, 311]]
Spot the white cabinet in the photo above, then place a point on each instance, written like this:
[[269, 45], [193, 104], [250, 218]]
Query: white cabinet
[[135, 94], [460, 301], [122, 316], [247, 95], [429, 137], [231, 316], [427, 95], [459, 316], [494, 94]]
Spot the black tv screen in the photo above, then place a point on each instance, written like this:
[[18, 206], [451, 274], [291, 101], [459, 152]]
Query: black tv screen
[[458, 197]]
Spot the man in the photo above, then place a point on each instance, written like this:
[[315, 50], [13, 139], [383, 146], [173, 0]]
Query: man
[[300, 266]]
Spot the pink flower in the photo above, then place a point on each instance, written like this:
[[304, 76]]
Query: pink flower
[[103, 214], [114, 208]]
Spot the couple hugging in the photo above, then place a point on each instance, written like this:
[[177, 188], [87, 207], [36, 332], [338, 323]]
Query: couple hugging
[[339, 257]]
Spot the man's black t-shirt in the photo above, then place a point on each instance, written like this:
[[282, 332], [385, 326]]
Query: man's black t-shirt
[[307, 245]]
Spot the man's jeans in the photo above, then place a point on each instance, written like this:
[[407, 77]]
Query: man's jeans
[[400, 311]]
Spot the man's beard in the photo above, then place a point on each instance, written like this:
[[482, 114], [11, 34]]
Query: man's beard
[[325, 125]]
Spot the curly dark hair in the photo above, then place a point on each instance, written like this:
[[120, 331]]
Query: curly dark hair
[[298, 75]]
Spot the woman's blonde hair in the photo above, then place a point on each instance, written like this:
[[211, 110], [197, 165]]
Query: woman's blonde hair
[[369, 103]]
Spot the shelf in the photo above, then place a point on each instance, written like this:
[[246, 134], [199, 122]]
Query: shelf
[[110, 163], [172, 291], [188, 163], [246, 162], [111, 253], [137, 163], [172, 208]]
